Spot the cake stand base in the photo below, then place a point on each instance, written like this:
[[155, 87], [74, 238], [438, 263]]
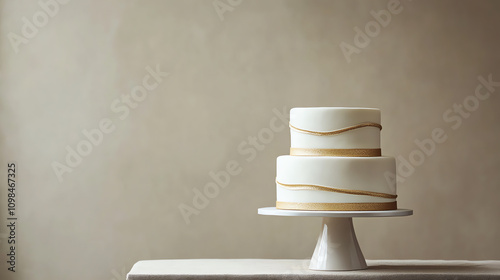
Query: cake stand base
[[337, 247]]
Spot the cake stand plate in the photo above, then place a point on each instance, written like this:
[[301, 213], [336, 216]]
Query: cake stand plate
[[337, 247]]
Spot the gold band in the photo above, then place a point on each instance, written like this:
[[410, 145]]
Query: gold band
[[337, 131], [329, 189], [336, 152], [337, 206]]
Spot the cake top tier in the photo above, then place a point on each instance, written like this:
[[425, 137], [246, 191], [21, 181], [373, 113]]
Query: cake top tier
[[335, 128]]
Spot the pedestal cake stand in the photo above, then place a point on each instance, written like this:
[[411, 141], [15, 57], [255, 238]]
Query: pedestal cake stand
[[337, 247]]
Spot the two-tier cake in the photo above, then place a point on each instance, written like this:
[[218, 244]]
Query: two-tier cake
[[335, 162]]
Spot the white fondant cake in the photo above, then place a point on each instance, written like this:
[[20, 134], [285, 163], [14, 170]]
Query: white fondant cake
[[335, 162]]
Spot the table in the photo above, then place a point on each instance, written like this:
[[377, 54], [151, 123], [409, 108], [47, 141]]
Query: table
[[298, 269]]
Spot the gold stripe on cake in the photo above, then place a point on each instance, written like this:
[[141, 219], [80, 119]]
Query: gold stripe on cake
[[336, 152], [377, 206], [337, 190], [337, 131]]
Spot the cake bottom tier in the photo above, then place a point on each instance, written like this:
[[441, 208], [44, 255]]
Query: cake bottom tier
[[336, 183]]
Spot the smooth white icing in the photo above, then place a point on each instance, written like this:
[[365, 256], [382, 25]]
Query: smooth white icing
[[324, 119], [354, 173]]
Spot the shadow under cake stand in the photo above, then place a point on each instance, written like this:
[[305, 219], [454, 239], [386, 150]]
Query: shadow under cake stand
[[337, 247]]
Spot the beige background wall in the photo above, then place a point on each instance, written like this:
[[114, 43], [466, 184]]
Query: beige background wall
[[227, 74]]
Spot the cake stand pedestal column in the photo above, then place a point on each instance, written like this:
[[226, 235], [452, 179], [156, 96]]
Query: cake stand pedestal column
[[337, 247]]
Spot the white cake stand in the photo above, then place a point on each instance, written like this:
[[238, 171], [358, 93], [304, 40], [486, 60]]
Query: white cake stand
[[337, 247]]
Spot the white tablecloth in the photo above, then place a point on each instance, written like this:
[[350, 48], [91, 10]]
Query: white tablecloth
[[298, 269]]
